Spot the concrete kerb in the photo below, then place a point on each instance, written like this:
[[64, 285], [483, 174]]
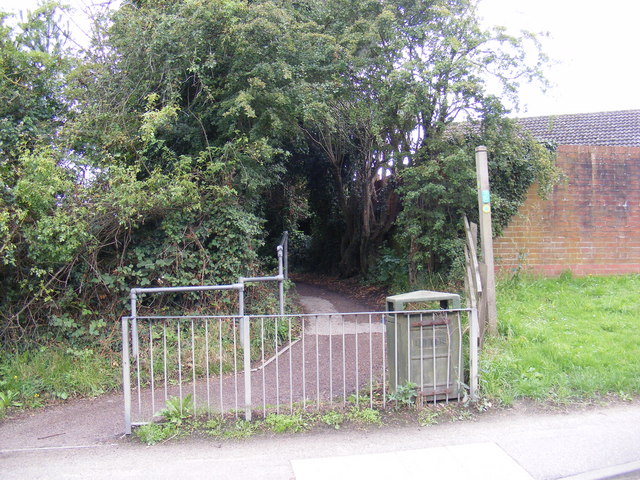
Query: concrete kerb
[[625, 471]]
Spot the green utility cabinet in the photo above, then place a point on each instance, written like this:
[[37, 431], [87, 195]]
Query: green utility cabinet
[[424, 348]]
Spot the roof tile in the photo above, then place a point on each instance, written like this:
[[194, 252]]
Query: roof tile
[[621, 128]]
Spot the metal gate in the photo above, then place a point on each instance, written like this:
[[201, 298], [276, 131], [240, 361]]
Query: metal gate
[[255, 365]]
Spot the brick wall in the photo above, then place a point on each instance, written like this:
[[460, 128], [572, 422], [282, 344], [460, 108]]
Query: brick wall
[[590, 224]]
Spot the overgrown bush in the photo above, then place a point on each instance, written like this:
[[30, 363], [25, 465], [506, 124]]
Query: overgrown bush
[[73, 250]]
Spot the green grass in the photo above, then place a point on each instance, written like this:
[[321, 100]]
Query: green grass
[[564, 339], [34, 377]]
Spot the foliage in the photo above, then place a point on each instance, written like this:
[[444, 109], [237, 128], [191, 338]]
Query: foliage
[[429, 225], [177, 410], [241, 429], [428, 417], [436, 195], [365, 416], [333, 419], [214, 426], [358, 398], [8, 399], [233, 428], [563, 338], [370, 87], [405, 395], [175, 413], [281, 423], [191, 133], [74, 250], [33, 63], [402, 74], [82, 226], [153, 433], [389, 268]]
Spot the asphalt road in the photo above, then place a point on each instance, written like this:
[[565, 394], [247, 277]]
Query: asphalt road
[[546, 445]]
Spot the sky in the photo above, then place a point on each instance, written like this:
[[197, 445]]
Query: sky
[[594, 46]]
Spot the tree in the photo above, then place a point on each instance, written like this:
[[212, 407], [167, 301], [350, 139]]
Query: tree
[[32, 68], [150, 210], [205, 127], [365, 89], [32, 110], [403, 72], [437, 194]]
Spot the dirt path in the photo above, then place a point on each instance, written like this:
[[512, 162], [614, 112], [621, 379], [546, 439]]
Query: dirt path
[[343, 343]]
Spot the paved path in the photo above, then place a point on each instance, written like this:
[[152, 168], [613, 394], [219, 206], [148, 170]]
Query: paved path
[[546, 445], [100, 421], [334, 356]]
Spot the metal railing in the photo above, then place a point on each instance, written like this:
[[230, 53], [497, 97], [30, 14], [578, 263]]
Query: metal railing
[[256, 365], [283, 273]]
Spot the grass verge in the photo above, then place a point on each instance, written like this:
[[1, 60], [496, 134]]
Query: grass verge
[[563, 339], [55, 372]]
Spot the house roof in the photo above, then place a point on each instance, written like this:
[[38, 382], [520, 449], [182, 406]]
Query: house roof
[[621, 128]]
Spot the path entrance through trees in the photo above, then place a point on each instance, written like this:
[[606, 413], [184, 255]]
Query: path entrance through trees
[[254, 365], [319, 361]]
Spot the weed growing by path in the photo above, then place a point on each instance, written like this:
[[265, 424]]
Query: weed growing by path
[[333, 419], [177, 410], [8, 399], [241, 429], [443, 413], [360, 399], [405, 395], [427, 417], [366, 416], [153, 433], [229, 427], [214, 427], [286, 423]]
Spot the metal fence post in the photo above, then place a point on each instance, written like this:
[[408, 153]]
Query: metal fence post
[[280, 281], [473, 353], [245, 328], [126, 376], [285, 244], [245, 341], [134, 323]]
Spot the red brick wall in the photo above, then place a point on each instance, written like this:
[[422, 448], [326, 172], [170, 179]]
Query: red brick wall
[[590, 224]]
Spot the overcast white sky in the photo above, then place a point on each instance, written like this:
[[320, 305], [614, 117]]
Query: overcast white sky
[[596, 45]]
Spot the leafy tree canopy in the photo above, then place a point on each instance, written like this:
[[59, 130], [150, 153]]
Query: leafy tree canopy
[[192, 132]]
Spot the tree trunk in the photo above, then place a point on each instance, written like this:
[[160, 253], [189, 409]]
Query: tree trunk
[[413, 266]]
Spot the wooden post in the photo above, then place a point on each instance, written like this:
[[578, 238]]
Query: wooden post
[[473, 284], [486, 238]]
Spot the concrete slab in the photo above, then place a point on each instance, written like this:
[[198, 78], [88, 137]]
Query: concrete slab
[[337, 325], [460, 462]]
